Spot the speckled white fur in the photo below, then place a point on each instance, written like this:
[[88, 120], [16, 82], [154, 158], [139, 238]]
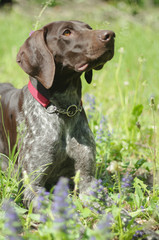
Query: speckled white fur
[[54, 145]]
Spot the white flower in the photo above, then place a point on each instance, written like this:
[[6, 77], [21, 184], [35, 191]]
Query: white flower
[[113, 167], [121, 50]]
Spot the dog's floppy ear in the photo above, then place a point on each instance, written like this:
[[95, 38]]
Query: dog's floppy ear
[[88, 76], [36, 60]]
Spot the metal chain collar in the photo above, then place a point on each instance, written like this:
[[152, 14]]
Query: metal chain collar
[[70, 111]]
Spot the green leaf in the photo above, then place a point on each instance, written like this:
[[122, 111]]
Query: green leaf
[[35, 217], [86, 213], [136, 213], [78, 204], [140, 183], [20, 210], [137, 110], [139, 163]]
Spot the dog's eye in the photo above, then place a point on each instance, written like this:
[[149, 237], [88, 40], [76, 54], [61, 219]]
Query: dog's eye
[[67, 33]]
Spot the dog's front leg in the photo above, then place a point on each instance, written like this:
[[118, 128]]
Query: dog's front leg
[[32, 184], [82, 149]]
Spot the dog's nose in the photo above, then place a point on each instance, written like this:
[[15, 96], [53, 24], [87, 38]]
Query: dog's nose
[[106, 36]]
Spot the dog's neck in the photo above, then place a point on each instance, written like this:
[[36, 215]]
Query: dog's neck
[[62, 93]]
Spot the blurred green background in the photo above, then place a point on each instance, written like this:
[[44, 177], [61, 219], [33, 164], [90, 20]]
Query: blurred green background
[[123, 88], [125, 93]]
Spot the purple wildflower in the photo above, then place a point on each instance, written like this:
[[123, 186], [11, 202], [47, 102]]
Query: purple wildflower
[[90, 99], [126, 182], [31, 33], [138, 234], [104, 227], [42, 204], [101, 132], [93, 238], [97, 198], [142, 207], [62, 208], [106, 222], [12, 223]]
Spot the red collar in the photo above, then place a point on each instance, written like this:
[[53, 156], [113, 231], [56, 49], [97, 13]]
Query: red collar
[[38, 96], [44, 101]]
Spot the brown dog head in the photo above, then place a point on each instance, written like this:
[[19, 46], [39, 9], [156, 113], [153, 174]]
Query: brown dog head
[[73, 45]]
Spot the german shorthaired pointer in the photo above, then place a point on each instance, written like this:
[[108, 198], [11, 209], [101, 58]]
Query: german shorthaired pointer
[[56, 139]]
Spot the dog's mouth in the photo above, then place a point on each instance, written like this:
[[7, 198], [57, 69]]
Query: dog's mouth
[[96, 64], [83, 67]]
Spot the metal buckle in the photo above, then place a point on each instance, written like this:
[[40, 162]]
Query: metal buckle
[[51, 109], [71, 110]]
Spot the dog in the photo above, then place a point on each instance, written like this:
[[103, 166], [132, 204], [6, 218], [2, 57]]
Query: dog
[[55, 136]]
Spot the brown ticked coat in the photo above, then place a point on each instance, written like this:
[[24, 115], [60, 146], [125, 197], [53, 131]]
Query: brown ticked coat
[[54, 145]]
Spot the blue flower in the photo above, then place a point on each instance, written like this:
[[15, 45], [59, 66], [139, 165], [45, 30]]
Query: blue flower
[[126, 182], [90, 99], [63, 209], [138, 234], [142, 207], [12, 223], [103, 228], [96, 199], [105, 223], [102, 133], [42, 204]]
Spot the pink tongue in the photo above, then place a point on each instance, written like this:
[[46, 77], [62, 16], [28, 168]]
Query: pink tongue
[[83, 67]]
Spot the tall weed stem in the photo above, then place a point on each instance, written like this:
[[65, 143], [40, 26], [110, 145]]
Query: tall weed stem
[[152, 105], [122, 102], [137, 86], [41, 13], [140, 60], [121, 50], [120, 204]]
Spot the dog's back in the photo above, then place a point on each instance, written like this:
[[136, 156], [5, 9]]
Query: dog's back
[[9, 106]]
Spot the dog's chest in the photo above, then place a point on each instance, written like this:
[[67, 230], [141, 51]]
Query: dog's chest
[[46, 136]]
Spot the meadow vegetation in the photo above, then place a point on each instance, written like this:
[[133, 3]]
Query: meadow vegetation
[[122, 106]]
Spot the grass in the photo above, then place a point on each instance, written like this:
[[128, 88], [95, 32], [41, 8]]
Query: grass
[[122, 108]]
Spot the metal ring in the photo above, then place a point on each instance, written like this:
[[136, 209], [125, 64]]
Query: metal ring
[[51, 109], [71, 112]]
